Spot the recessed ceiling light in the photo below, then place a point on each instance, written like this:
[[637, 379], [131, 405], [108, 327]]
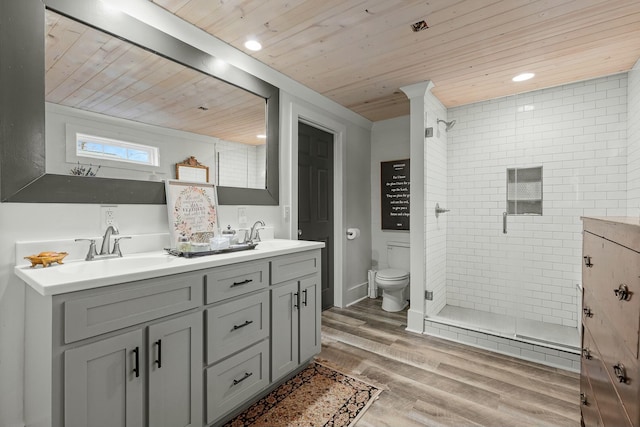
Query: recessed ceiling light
[[261, 136], [253, 45], [522, 77]]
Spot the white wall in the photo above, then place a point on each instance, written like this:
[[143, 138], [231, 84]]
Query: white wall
[[633, 168], [577, 133], [59, 221], [389, 141]]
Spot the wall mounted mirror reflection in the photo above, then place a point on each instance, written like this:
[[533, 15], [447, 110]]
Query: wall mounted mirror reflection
[[122, 115], [99, 85]]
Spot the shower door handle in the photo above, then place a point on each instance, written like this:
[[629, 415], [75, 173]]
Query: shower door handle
[[504, 222]]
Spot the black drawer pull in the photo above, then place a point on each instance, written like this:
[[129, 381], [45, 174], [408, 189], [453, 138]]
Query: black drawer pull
[[583, 399], [622, 292], [586, 353], [247, 323], [244, 282], [587, 261], [587, 312], [158, 361], [620, 372], [136, 361], [246, 375]]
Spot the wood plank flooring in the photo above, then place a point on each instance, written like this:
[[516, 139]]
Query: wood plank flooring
[[428, 381]]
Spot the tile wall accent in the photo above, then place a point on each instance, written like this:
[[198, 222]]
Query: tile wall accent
[[239, 164], [435, 191], [578, 134], [633, 169]]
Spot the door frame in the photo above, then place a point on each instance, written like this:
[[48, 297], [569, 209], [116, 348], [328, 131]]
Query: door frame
[[293, 112]]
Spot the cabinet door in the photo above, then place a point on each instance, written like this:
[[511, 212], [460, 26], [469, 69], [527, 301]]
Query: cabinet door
[[103, 383], [284, 329], [175, 372], [310, 309]]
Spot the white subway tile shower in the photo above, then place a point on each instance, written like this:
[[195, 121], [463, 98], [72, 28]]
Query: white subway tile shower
[[578, 134]]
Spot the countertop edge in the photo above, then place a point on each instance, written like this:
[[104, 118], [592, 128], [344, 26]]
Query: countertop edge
[[181, 265]]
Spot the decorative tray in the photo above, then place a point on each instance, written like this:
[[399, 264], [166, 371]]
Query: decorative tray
[[232, 248]]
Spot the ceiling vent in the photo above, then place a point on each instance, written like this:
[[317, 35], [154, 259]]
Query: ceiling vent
[[419, 26]]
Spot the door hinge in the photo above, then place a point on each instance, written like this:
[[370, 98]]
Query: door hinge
[[428, 295]]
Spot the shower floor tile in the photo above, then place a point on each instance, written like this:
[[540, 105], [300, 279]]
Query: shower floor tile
[[508, 326]]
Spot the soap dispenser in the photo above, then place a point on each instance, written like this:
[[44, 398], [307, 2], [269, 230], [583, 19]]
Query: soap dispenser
[[230, 234]]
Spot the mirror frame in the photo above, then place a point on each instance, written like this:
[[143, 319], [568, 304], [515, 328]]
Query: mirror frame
[[22, 108]]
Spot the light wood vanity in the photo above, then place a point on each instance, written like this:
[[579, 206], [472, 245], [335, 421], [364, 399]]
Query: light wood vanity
[[189, 343]]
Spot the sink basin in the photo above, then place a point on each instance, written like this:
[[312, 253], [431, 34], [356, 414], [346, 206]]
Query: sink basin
[[119, 265]]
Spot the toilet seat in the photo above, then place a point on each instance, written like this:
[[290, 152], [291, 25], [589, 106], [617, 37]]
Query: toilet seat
[[392, 274]]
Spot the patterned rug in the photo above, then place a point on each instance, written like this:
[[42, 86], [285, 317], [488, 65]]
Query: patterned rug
[[317, 396]]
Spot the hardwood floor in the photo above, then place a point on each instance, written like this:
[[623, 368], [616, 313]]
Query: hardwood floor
[[428, 381]]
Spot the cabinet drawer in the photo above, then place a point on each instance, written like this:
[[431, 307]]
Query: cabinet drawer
[[606, 352], [94, 312], [232, 382], [229, 282], [290, 267], [615, 267], [589, 407], [236, 324]]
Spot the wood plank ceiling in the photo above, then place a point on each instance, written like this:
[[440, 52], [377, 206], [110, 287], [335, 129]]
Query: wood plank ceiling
[[360, 52]]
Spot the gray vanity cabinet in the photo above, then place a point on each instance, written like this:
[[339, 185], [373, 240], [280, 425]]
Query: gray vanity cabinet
[[103, 383], [295, 308], [187, 349], [174, 349]]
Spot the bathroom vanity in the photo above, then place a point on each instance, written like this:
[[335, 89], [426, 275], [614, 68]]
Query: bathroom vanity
[[153, 339]]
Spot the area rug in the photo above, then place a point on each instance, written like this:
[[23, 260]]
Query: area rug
[[316, 396]]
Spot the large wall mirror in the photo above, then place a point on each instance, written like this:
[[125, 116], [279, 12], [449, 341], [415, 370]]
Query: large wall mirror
[[87, 84]]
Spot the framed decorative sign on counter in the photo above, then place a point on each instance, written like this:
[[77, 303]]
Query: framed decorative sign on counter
[[192, 170], [192, 208], [394, 197]]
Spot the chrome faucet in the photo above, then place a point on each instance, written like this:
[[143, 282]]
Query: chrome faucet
[[106, 242], [255, 231], [106, 239]]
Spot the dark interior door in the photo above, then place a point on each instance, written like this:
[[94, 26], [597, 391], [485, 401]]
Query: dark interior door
[[315, 198]]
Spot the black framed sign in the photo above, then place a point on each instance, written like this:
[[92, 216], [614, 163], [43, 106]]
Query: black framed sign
[[394, 188]]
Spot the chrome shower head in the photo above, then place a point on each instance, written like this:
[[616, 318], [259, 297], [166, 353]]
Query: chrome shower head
[[448, 125]]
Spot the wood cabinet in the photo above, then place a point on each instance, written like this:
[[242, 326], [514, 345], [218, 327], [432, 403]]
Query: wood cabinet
[[610, 374], [296, 308]]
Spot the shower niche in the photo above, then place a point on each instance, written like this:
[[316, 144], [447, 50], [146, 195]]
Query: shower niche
[[524, 191]]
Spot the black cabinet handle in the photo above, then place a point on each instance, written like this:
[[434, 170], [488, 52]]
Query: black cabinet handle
[[587, 261], [136, 361], [244, 282], [158, 361], [305, 297], [296, 300], [247, 323], [246, 375]]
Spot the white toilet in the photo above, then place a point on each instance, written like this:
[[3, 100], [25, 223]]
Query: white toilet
[[394, 280]]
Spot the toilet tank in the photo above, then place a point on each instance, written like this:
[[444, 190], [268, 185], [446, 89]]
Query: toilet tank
[[398, 255]]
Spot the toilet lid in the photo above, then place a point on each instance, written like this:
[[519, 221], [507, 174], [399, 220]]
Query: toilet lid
[[393, 273]]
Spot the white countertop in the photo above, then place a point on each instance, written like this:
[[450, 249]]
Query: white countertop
[[80, 275]]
